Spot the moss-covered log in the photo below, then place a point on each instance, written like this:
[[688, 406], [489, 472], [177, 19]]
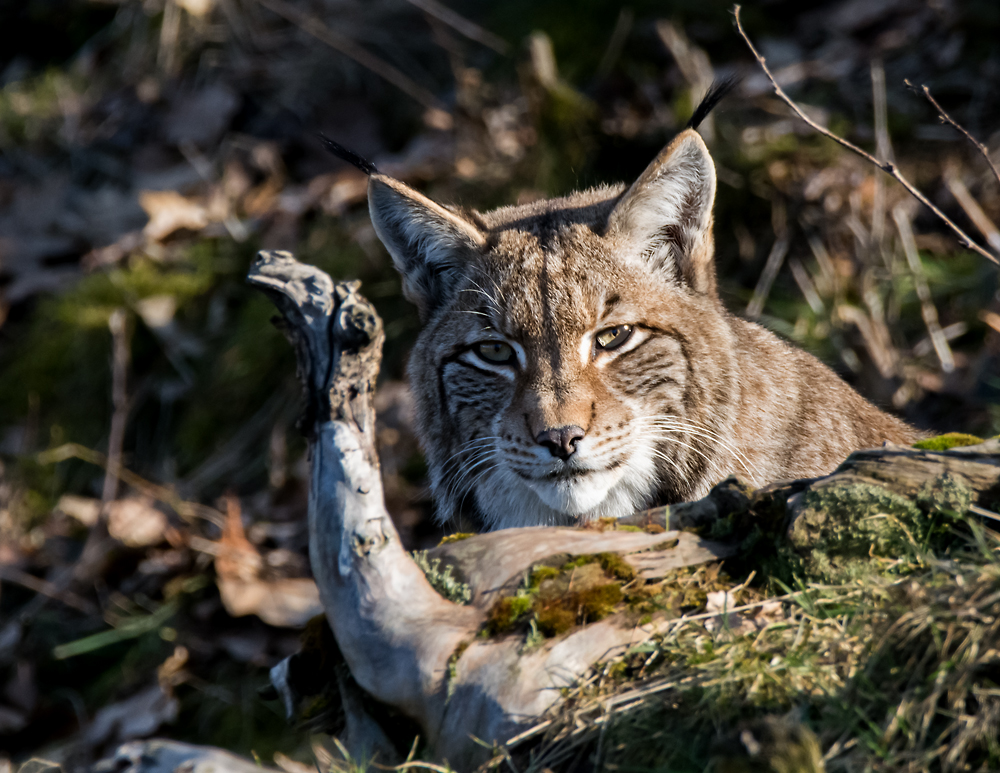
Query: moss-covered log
[[477, 638], [404, 643]]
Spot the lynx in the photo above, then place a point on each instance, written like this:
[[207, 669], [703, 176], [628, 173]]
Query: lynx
[[576, 362]]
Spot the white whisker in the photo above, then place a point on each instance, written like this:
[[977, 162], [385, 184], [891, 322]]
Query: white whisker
[[673, 424]]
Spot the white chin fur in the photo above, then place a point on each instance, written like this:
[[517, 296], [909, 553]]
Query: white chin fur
[[506, 500], [574, 496]]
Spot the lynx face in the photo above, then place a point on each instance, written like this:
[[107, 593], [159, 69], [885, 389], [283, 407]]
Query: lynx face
[[576, 363], [559, 379]]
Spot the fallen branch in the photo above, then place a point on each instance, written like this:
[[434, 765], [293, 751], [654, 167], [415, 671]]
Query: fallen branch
[[476, 670], [462, 25], [403, 643], [945, 118], [889, 168]]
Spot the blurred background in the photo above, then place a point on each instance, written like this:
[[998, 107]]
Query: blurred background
[[152, 482]]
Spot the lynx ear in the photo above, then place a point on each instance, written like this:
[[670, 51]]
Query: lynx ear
[[428, 243], [665, 218]]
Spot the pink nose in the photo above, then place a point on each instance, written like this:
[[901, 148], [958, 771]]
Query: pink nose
[[561, 441]]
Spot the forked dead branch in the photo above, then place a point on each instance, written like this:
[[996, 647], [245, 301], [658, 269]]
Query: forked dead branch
[[467, 671], [886, 166]]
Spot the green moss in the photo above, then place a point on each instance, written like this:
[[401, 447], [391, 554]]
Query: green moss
[[947, 441], [842, 526], [627, 527], [579, 561], [506, 613], [947, 494], [453, 666], [457, 537], [597, 603], [555, 620], [616, 566], [314, 706], [540, 574]]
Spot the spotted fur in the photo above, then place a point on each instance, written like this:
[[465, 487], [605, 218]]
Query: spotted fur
[[692, 395]]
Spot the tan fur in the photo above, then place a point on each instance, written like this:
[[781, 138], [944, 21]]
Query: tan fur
[[695, 394]]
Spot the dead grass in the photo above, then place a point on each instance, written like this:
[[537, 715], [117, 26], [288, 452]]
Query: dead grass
[[893, 670]]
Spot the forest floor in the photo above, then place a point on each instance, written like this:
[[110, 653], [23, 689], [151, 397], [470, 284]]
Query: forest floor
[[153, 558]]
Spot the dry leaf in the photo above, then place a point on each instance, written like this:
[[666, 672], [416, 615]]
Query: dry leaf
[[282, 602], [287, 602], [170, 672], [85, 509], [136, 522], [237, 558], [168, 212], [722, 602]]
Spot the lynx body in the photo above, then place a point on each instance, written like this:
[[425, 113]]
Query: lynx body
[[576, 362]]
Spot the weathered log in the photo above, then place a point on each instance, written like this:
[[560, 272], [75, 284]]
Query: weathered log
[[409, 648], [843, 510], [405, 645], [159, 755]]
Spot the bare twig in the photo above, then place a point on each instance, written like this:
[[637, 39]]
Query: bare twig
[[883, 357], [619, 35], [189, 511], [927, 308], [121, 354], [170, 30], [461, 25], [46, 588], [806, 285], [98, 544], [886, 166], [991, 318], [694, 65], [945, 118], [319, 30], [782, 241], [883, 147], [971, 207]]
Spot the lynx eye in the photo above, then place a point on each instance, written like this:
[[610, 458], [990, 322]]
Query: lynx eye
[[495, 351], [613, 337]]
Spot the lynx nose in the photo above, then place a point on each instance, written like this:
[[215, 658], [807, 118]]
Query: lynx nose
[[560, 441]]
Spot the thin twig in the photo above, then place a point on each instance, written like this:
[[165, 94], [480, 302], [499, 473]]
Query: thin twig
[[460, 24], [927, 308], [775, 259], [319, 30], [626, 17], [883, 146], [189, 511], [98, 543], [121, 355], [971, 207], [945, 118], [46, 588], [886, 166]]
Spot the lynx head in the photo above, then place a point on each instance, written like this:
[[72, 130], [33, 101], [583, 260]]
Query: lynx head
[[574, 357]]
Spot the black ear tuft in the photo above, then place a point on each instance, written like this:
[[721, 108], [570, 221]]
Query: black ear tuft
[[719, 90], [349, 156]]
